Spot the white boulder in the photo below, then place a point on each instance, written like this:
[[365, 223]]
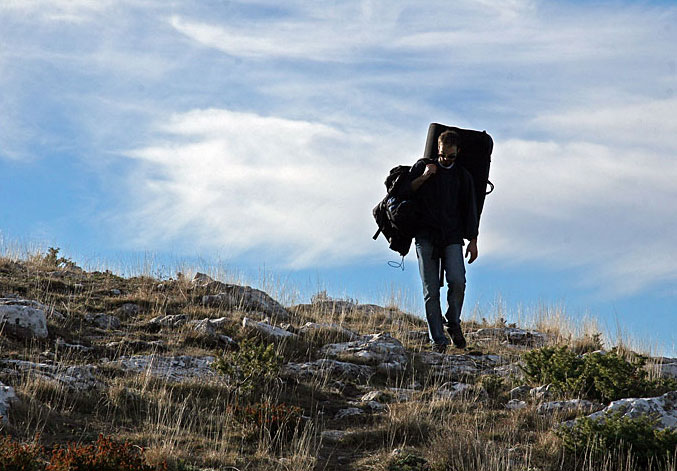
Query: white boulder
[[267, 330], [662, 408], [380, 349], [23, 318]]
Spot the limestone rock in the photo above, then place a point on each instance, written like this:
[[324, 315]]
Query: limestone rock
[[23, 318], [172, 368], [208, 327], [103, 321], [172, 320], [568, 406], [456, 367], [327, 368], [243, 298], [77, 377], [62, 344], [267, 330], [380, 349], [511, 335], [663, 408], [515, 404], [7, 397]]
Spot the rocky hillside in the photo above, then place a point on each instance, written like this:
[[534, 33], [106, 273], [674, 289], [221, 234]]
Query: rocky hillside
[[206, 375]]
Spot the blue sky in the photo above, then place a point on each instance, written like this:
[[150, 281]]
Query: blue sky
[[258, 134]]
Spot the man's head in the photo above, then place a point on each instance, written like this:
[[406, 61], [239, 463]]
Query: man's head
[[447, 145]]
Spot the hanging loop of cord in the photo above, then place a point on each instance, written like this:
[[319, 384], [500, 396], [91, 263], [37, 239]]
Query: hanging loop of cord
[[396, 264]]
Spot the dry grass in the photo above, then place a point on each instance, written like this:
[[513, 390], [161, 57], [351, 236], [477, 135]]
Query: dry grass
[[193, 422]]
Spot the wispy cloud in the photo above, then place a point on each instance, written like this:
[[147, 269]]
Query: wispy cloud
[[601, 198], [240, 182]]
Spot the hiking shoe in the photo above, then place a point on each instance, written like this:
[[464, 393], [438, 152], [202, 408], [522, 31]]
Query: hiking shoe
[[457, 335], [440, 347]]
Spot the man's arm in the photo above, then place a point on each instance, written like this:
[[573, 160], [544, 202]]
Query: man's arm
[[429, 171]]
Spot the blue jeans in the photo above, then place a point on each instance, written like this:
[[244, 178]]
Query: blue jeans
[[429, 268]]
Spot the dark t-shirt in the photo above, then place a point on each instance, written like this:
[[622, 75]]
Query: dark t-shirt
[[446, 203]]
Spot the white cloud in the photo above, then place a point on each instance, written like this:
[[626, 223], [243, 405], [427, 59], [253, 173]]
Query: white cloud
[[602, 198], [70, 11], [240, 182]]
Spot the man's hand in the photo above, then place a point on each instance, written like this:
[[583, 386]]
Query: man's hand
[[471, 250], [429, 171]]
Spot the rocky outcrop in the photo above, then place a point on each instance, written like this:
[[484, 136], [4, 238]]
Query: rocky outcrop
[[77, 377], [662, 408], [334, 307], [241, 298], [381, 350], [573, 405], [457, 367], [267, 330], [170, 321], [173, 368], [23, 318], [510, 335], [207, 328], [321, 369], [452, 390]]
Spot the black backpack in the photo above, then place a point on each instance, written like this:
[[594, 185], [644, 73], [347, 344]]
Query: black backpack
[[475, 157], [397, 215]]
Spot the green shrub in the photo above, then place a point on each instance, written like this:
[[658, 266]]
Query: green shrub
[[105, 455], [20, 457], [252, 368], [408, 462], [596, 376], [635, 436], [52, 259]]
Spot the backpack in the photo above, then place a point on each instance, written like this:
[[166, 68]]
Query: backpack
[[397, 215], [475, 156]]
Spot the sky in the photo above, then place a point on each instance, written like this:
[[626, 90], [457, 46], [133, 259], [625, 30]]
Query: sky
[[256, 136]]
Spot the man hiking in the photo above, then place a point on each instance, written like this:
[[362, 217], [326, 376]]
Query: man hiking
[[445, 196]]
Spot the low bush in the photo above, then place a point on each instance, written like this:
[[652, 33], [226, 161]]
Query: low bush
[[21, 457], [597, 376], [408, 462], [105, 455], [636, 438], [252, 368]]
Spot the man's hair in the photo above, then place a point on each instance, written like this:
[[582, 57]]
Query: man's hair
[[449, 138]]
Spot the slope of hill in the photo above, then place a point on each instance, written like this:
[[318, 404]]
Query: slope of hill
[[207, 375]]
